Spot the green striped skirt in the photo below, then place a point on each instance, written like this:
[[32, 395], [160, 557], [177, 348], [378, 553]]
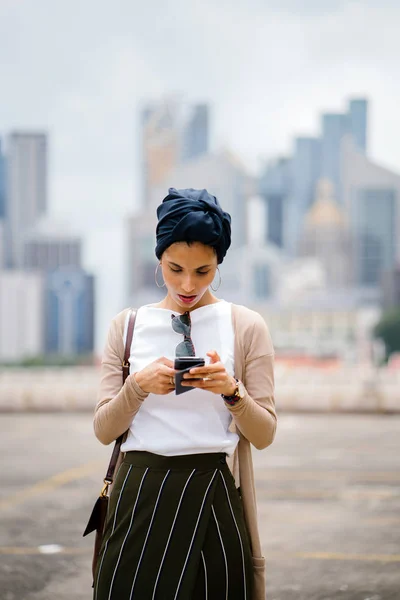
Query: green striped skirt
[[174, 531]]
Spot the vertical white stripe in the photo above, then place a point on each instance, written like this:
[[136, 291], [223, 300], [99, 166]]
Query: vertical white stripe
[[148, 532], [170, 533], [223, 551], [194, 533], [205, 575], [127, 533], [238, 532], [113, 527]]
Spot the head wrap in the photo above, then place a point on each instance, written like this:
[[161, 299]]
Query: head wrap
[[192, 216]]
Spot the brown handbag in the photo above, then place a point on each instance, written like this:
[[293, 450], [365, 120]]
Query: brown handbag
[[98, 517]]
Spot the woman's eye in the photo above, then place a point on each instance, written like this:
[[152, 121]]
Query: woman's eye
[[203, 272], [176, 270]]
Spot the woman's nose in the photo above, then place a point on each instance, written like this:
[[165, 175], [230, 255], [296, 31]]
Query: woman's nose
[[187, 284]]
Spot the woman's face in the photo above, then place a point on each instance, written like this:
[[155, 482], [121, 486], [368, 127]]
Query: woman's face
[[188, 272]]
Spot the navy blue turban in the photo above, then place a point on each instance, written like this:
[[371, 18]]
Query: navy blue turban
[[192, 216]]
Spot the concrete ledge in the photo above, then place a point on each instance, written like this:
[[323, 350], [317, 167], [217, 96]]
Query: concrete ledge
[[74, 389]]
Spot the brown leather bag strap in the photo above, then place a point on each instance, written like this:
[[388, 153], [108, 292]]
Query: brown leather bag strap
[[125, 372]]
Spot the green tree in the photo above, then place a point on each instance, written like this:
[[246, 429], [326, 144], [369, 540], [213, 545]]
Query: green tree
[[388, 330]]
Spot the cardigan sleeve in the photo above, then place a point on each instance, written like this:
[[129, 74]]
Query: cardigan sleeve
[[117, 404], [254, 414]]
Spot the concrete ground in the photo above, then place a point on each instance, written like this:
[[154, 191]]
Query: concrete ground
[[328, 494]]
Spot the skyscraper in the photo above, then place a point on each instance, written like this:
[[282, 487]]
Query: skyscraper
[[313, 158], [275, 186], [2, 210], [371, 196], [21, 315], [49, 245], [334, 128], [160, 145], [172, 133], [54, 250], [69, 326], [26, 188], [195, 133], [357, 116], [306, 169], [2, 185], [374, 220]]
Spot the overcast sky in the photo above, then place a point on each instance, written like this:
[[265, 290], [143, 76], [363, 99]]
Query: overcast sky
[[81, 68]]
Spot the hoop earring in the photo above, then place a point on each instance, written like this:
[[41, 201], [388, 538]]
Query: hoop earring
[[155, 277], [219, 283]]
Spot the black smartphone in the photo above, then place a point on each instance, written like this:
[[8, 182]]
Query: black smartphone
[[183, 365]]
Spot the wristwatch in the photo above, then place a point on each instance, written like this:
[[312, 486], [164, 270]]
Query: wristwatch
[[237, 395]]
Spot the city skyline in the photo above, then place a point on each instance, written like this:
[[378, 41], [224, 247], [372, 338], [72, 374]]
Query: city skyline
[[266, 70], [47, 300], [20, 135]]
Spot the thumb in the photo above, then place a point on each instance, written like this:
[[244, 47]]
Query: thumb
[[213, 354]]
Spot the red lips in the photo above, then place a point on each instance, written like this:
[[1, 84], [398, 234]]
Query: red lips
[[187, 299]]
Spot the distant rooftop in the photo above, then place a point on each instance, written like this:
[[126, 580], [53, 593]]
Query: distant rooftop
[[50, 228]]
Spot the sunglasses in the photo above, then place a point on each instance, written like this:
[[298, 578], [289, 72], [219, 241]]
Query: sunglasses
[[182, 324]]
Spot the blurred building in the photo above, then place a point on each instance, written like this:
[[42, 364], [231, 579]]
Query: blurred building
[[195, 135], [251, 274], [69, 301], [26, 188], [335, 126], [371, 198], [46, 253], [291, 194], [2, 184], [50, 245], [306, 170], [171, 133], [375, 212], [141, 261], [391, 288], [53, 249], [275, 186], [160, 144], [2, 209], [330, 323], [357, 117], [2, 244], [326, 236], [21, 315]]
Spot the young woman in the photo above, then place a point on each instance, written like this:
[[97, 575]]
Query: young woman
[[182, 521]]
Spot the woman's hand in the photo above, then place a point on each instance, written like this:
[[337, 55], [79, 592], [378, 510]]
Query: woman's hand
[[213, 377], [157, 377]]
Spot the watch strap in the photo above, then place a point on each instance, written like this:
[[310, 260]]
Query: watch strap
[[232, 400]]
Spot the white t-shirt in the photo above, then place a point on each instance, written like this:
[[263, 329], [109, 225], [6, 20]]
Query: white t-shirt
[[196, 421]]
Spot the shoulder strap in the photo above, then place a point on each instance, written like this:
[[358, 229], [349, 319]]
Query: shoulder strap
[[125, 372], [128, 344]]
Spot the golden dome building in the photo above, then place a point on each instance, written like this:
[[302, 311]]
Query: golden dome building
[[326, 236]]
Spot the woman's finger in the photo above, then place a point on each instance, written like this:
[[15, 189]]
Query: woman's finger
[[211, 374], [167, 371], [213, 354], [211, 368], [200, 383]]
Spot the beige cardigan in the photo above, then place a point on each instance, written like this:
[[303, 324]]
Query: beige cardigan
[[254, 416]]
